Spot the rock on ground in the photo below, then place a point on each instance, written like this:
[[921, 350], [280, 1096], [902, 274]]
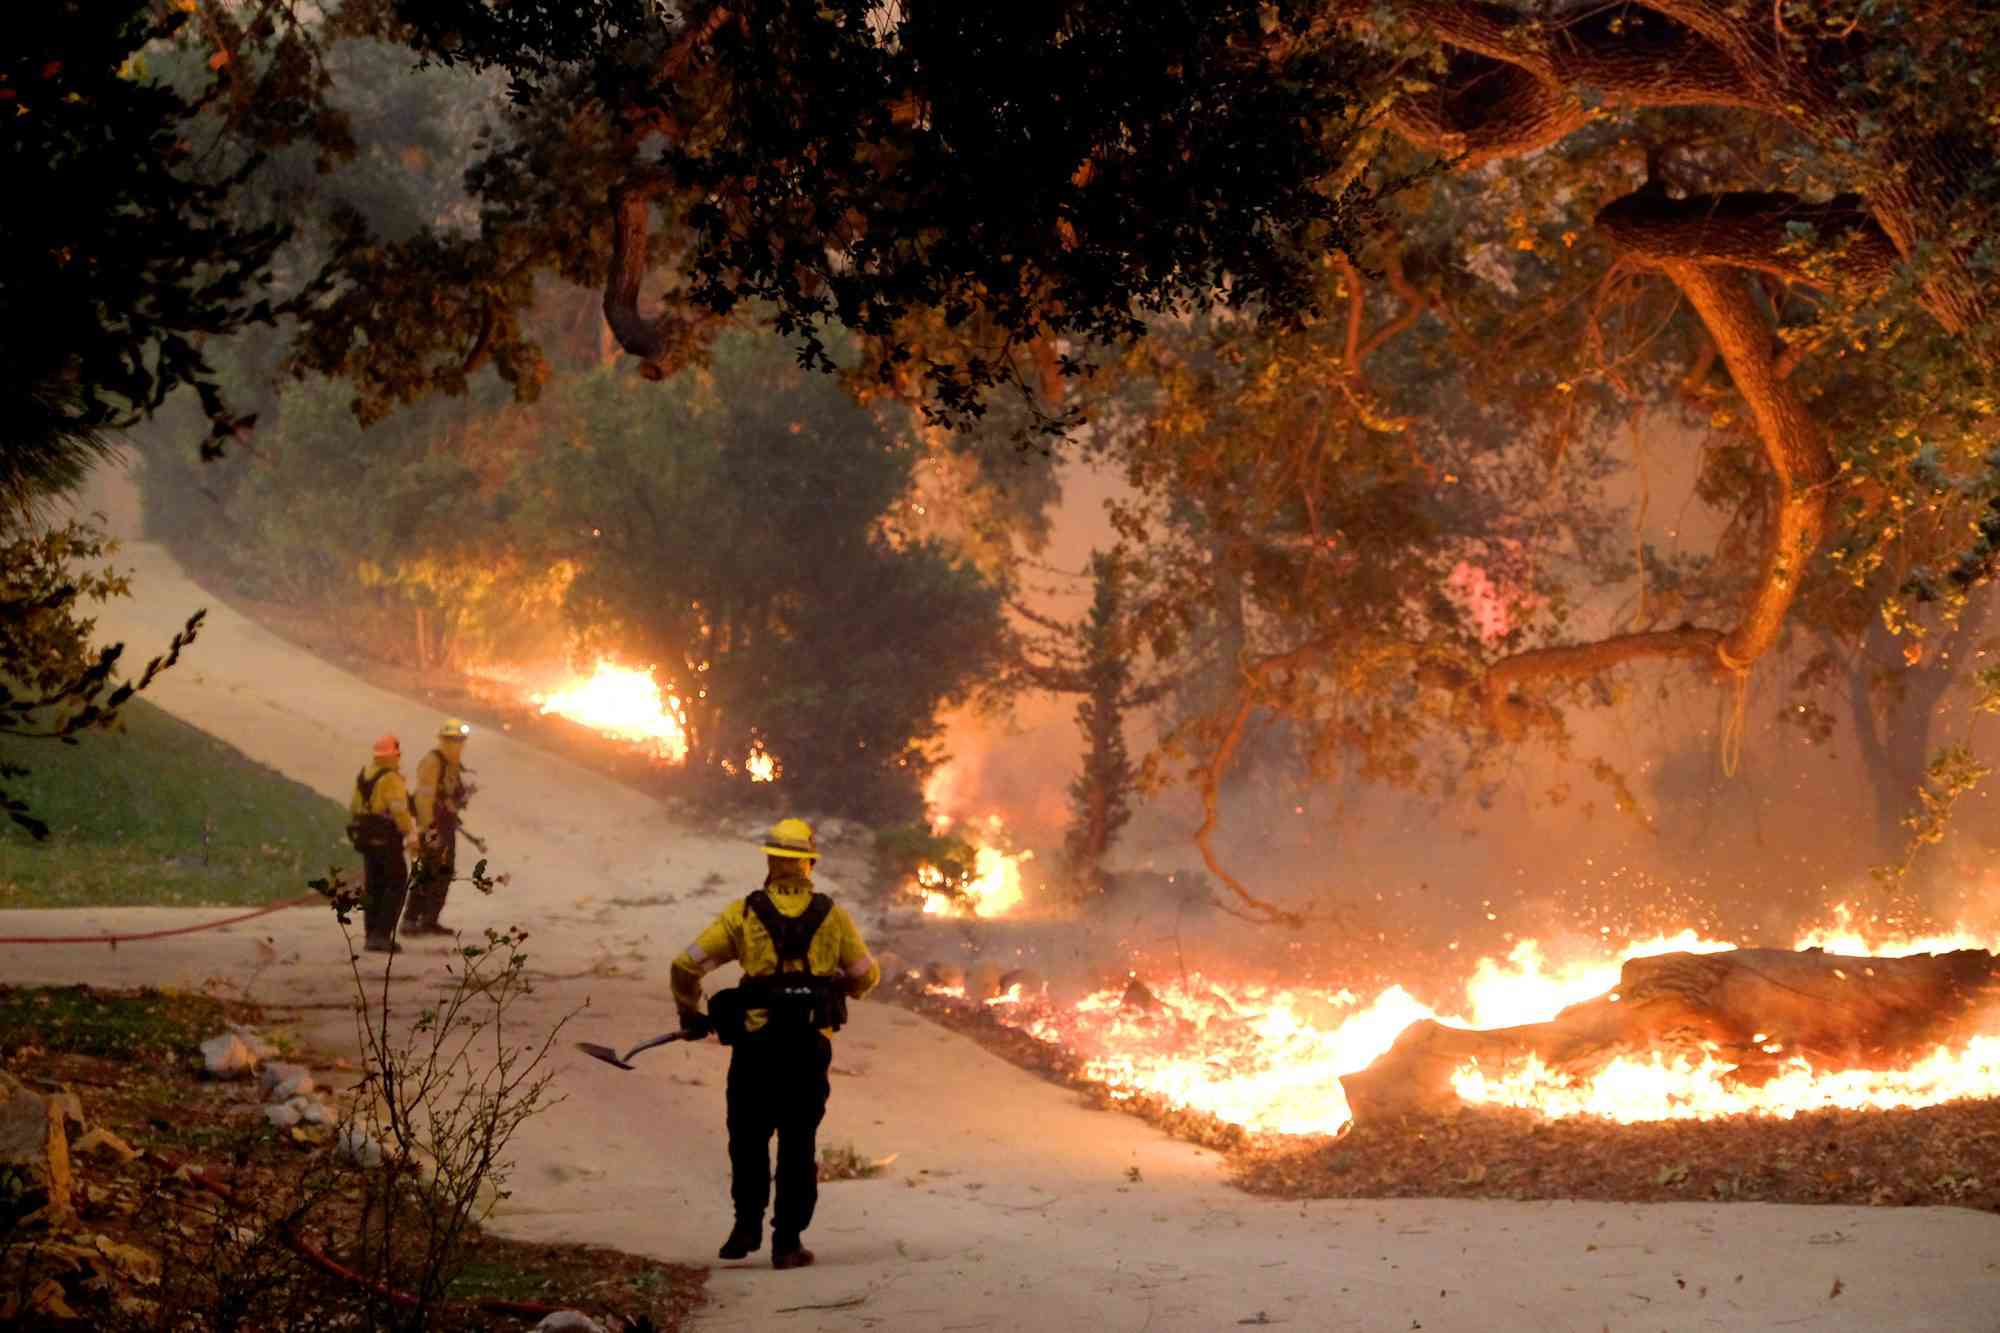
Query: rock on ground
[[283, 1081], [32, 1138], [356, 1147], [227, 1056], [569, 1321]]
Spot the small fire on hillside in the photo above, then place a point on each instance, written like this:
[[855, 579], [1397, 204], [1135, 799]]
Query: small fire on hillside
[[1272, 1059]]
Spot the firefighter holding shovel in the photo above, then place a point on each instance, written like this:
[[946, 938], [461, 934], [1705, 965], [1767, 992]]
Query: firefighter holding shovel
[[802, 959]]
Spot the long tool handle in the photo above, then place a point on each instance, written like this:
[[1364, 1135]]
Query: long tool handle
[[660, 1040]]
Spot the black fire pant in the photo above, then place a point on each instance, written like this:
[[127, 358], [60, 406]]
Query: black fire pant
[[385, 880], [431, 878], [777, 1084]]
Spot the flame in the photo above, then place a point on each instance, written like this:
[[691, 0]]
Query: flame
[[1841, 935], [762, 765], [1525, 990], [993, 888], [626, 704], [1270, 1059], [1680, 1088]]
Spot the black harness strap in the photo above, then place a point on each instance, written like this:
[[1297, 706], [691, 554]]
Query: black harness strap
[[793, 997], [792, 936], [370, 831], [457, 792]]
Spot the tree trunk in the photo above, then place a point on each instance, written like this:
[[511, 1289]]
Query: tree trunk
[[1836, 1011]]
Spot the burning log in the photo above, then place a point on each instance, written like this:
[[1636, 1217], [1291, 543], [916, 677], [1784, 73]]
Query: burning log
[[1754, 1008]]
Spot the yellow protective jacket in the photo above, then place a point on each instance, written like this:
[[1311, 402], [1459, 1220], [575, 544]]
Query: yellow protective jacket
[[388, 797], [737, 936], [438, 773]]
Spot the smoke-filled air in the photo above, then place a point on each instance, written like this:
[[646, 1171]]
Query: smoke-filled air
[[1228, 664]]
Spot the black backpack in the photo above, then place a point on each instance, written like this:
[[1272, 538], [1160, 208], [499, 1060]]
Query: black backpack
[[794, 1000], [372, 832]]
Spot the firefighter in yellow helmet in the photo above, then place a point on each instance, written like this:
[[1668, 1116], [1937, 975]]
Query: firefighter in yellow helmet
[[382, 827], [802, 958], [441, 794]]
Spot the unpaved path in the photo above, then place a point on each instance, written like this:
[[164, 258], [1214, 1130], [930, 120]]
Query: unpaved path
[[1009, 1206]]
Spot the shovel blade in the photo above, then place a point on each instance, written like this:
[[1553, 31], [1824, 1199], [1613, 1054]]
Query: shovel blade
[[604, 1053]]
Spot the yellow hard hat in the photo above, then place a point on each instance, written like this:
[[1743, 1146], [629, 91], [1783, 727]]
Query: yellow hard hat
[[454, 730], [793, 838]]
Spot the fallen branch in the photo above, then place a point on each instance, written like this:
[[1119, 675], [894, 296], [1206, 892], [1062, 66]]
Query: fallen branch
[[847, 1304]]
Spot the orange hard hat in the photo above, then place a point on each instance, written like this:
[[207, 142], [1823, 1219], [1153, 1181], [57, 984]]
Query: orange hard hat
[[387, 745]]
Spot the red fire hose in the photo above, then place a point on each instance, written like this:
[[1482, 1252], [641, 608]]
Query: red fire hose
[[318, 1258], [115, 940]]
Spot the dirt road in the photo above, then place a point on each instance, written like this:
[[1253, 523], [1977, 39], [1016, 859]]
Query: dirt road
[[1009, 1205]]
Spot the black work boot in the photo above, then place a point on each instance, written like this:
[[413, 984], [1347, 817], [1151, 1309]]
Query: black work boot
[[744, 1239], [382, 944], [787, 1252]]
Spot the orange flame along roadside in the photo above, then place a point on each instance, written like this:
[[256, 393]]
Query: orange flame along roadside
[[624, 703], [1270, 1059], [627, 704]]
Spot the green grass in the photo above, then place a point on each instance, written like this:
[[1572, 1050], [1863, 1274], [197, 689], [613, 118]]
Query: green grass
[[77, 1020], [843, 1161], [490, 1279], [160, 814], [511, 1271]]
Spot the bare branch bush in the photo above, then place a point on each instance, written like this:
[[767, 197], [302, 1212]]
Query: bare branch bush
[[443, 1093]]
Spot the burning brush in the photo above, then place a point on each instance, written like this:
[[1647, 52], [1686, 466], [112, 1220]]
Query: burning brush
[[1671, 1028]]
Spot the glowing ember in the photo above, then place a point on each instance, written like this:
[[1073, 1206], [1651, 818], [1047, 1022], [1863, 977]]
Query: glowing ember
[[1270, 1059], [626, 704]]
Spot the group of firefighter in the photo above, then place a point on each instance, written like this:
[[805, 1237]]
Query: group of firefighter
[[387, 820], [801, 954]]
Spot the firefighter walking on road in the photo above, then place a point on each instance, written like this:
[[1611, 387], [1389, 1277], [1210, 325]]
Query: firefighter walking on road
[[382, 827], [441, 794], [802, 958]]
